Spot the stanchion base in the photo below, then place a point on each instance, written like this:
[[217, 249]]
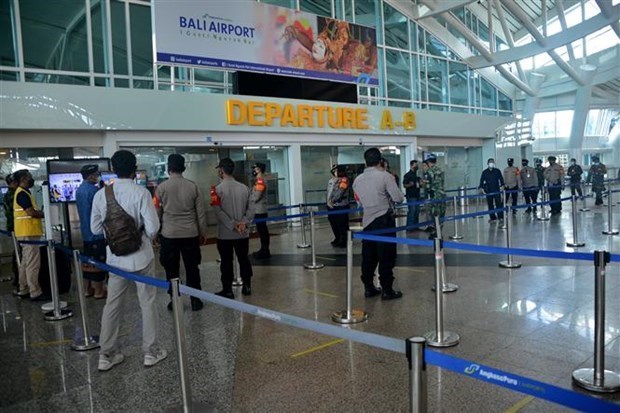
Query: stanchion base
[[611, 232], [456, 237], [503, 226], [447, 288], [575, 244], [303, 245], [236, 283], [80, 344], [584, 209], [357, 316], [543, 218], [47, 307], [511, 264], [196, 407], [64, 313], [314, 266], [585, 378], [449, 339]]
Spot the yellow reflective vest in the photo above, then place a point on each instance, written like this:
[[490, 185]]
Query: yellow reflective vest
[[25, 225]]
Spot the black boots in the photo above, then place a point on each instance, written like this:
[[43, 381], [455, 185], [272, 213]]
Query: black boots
[[372, 291]]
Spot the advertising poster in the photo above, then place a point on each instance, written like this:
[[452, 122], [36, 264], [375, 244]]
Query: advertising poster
[[257, 37]]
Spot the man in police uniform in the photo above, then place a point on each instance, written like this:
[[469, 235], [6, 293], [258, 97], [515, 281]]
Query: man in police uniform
[[259, 198], [575, 172], [540, 173], [376, 191], [435, 183], [596, 176], [529, 183], [511, 182], [234, 211], [27, 223], [554, 175], [338, 199]]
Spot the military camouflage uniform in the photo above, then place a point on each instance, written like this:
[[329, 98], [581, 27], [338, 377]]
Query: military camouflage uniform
[[596, 176], [436, 187]]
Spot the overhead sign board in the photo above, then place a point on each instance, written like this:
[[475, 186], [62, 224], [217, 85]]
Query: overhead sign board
[[258, 37]]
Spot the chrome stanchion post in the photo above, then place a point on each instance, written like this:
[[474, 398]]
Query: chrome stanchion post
[[57, 313], [237, 281], [506, 211], [543, 211], [456, 225], [349, 316], [610, 216], [314, 265], [18, 257], [439, 337], [584, 208], [188, 405], [575, 242], [598, 379], [509, 263], [304, 243], [446, 287], [478, 198], [86, 342], [417, 374]]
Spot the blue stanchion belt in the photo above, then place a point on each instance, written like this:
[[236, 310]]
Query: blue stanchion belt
[[615, 257], [521, 384], [125, 274], [338, 212], [279, 208], [374, 340], [64, 249], [33, 242], [279, 218]]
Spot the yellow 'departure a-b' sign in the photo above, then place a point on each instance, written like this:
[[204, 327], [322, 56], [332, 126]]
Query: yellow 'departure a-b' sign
[[272, 114]]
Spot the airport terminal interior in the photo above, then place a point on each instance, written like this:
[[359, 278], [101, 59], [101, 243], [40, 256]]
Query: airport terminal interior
[[301, 86]]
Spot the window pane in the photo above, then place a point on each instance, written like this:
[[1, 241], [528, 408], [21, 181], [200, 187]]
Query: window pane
[[7, 51], [291, 4], [396, 34], [415, 74], [437, 77], [488, 94], [564, 120], [119, 38], [398, 79], [413, 33], [368, 13], [422, 67], [320, 7], [46, 41], [435, 47], [141, 46], [458, 84], [505, 103]]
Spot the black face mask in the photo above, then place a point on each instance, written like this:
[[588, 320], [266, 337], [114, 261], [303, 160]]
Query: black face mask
[[30, 182], [510, 163], [524, 164], [254, 173]]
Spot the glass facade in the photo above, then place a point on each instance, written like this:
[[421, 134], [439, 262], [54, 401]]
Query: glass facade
[[416, 69]]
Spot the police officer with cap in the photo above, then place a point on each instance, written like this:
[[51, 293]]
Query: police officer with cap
[[529, 183], [575, 172], [259, 198], [554, 175], [511, 182], [338, 191], [596, 176]]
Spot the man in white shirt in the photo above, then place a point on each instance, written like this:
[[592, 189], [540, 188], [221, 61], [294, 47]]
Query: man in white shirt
[[136, 201]]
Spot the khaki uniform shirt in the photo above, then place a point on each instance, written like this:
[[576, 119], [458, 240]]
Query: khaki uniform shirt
[[259, 196], [511, 176], [554, 174], [235, 207], [529, 177], [181, 208], [376, 190]]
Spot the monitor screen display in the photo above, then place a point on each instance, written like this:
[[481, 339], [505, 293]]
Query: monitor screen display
[[108, 178], [63, 186], [4, 190], [141, 177]]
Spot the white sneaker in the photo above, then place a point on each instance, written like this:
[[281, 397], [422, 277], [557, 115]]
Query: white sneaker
[[106, 362], [152, 359]]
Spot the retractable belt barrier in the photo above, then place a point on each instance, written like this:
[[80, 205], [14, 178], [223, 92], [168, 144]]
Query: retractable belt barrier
[[279, 208]]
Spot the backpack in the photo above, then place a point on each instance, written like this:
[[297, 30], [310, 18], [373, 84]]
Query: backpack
[[121, 232]]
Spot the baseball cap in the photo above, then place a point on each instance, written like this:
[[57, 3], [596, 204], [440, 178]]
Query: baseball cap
[[88, 170]]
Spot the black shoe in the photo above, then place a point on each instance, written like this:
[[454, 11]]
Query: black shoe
[[430, 228], [21, 294], [196, 304], [246, 289], [432, 235], [170, 306], [527, 211], [341, 245], [261, 254], [391, 295], [226, 294], [372, 292]]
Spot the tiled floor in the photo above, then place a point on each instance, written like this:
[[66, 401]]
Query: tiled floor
[[536, 321]]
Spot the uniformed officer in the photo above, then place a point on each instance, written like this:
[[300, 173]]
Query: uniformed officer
[[529, 184], [234, 211], [436, 186], [511, 182], [540, 173], [376, 191], [491, 181], [338, 191], [596, 176], [554, 175], [575, 172], [259, 198]]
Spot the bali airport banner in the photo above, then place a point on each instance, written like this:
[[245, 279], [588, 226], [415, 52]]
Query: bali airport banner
[[249, 36]]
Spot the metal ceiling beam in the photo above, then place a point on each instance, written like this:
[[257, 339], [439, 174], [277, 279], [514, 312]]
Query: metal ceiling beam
[[550, 15], [541, 40], [552, 42], [562, 19], [607, 11], [471, 38], [437, 7], [478, 10], [509, 40]]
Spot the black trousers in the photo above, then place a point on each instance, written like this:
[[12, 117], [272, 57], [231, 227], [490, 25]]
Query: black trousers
[[554, 195], [263, 232], [240, 247], [381, 253], [514, 195], [170, 254], [576, 187], [495, 202], [530, 195], [339, 223]]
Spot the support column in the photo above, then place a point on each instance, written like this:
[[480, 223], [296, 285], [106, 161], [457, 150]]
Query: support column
[[295, 174], [583, 98]]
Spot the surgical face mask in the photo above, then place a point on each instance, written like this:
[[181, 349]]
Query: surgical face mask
[[491, 165], [524, 164], [573, 162], [510, 163], [595, 163], [30, 182]]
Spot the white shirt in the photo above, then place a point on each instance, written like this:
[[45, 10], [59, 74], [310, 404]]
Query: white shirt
[[137, 202]]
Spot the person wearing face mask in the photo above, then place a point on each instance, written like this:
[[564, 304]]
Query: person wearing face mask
[[554, 175], [330, 188], [596, 176], [511, 180], [540, 173], [338, 199], [575, 172], [411, 182], [529, 183], [259, 197], [27, 225], [491, 180]]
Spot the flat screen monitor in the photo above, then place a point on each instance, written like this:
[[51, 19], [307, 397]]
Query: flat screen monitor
[[4, 190], [141, 177], [64, 176], [108, 178]]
